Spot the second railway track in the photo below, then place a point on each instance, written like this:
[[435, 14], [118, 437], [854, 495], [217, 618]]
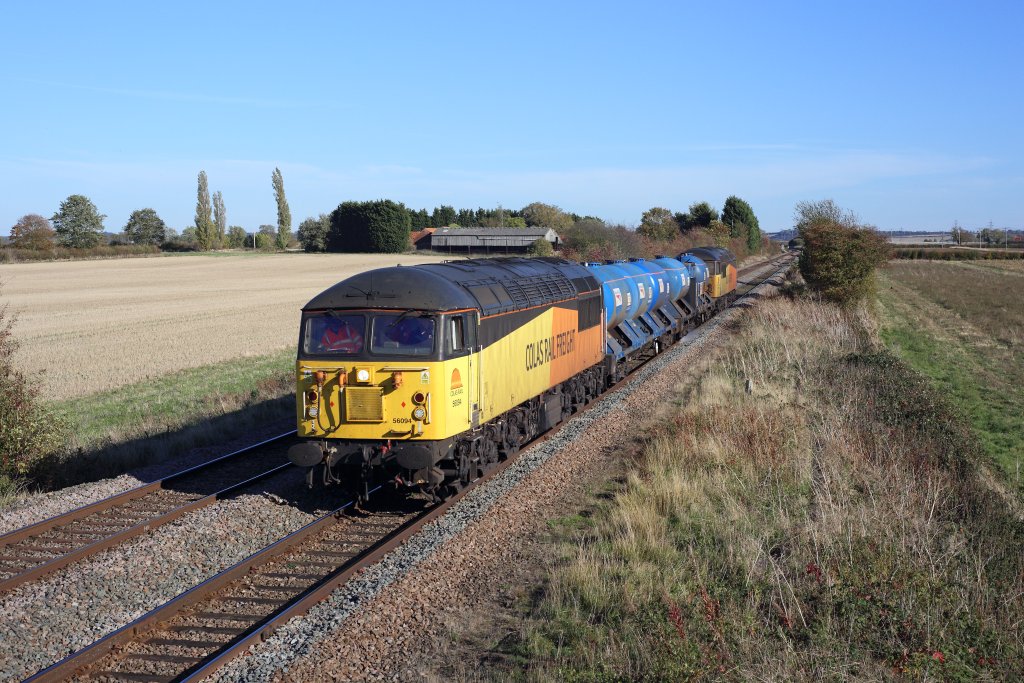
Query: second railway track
[[193, 635], [39, 549]]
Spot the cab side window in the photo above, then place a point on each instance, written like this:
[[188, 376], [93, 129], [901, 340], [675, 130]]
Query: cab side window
[[456, 335], [460, 334]]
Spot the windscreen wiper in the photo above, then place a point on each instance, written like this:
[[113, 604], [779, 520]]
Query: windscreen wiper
[[334, 314], [402, 317]]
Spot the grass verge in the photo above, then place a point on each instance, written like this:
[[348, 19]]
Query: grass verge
[[144, 423], [840, 522], [963, 328]]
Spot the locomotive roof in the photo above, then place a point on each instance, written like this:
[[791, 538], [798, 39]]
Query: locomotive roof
[[711, 254], [493, 286]]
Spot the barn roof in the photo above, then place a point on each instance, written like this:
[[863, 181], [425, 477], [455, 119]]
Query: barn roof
[[494, 237]]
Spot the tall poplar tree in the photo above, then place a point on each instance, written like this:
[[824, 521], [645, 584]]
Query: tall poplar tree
[[284, 214], [204, 222], [220, 217]]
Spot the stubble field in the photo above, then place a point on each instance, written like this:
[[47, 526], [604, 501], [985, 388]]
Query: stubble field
[[92, 326]]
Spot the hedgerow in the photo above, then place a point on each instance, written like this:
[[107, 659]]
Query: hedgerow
[[11, 254], [28, 431]]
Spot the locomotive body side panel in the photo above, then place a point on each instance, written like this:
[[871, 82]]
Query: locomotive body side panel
[[528, 352]]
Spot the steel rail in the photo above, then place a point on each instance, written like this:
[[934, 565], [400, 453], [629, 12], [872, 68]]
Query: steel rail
[[80, 662], [34, 531]]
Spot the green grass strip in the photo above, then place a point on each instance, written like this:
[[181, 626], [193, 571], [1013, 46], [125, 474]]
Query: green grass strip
[[986, 386], [170, 401]]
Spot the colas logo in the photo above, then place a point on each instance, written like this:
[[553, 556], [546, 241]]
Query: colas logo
[[456, 379]]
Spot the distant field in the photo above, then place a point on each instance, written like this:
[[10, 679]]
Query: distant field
[[962, 324], [92, 326]]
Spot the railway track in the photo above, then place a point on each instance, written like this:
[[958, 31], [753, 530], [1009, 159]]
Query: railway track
[[193, 635], [36, 550]]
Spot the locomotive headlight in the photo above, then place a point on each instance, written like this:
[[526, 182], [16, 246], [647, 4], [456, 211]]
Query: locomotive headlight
[[313, 412], [311, 395], [419, 413], [363, 376]]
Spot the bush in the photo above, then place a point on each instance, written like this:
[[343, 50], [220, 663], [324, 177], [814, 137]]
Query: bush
[[839, 261], [236, 237], [541, 248], [28, 431], [179, 246], [589, 240], [313, 233], [264, 241], [957, 254], [381, 227], [11, 255]]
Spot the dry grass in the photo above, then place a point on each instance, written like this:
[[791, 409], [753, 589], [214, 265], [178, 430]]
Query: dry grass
[[835, 524], [989, 299], [91, 326]]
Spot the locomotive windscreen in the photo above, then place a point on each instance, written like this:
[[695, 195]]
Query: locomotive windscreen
[[403, 334], [329, 334]]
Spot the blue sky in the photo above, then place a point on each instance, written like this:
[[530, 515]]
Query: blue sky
[[910, 114]]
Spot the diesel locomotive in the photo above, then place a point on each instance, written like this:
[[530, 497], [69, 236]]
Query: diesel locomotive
[[429, 376]]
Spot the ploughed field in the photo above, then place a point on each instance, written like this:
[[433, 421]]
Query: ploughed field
[[91, 326]]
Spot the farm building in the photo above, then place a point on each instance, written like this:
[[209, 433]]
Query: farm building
[[421, 239], [490, 240]]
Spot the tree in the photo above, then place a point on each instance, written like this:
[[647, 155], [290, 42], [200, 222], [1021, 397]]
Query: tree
[[145, 227], [32, 231], [236, 237], [381, 226], [442, 217], [515, 222], [839, 260], [284, 214], [808, 214], [542, 215], [700, 215], [220, 217], [742, 222], [190, 235], [78, 223], [419, 220], [960, 235], [658, 223], [719, 233], [263, 240], [313, 233], [205, 230], [541, 247], [268, 230]]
